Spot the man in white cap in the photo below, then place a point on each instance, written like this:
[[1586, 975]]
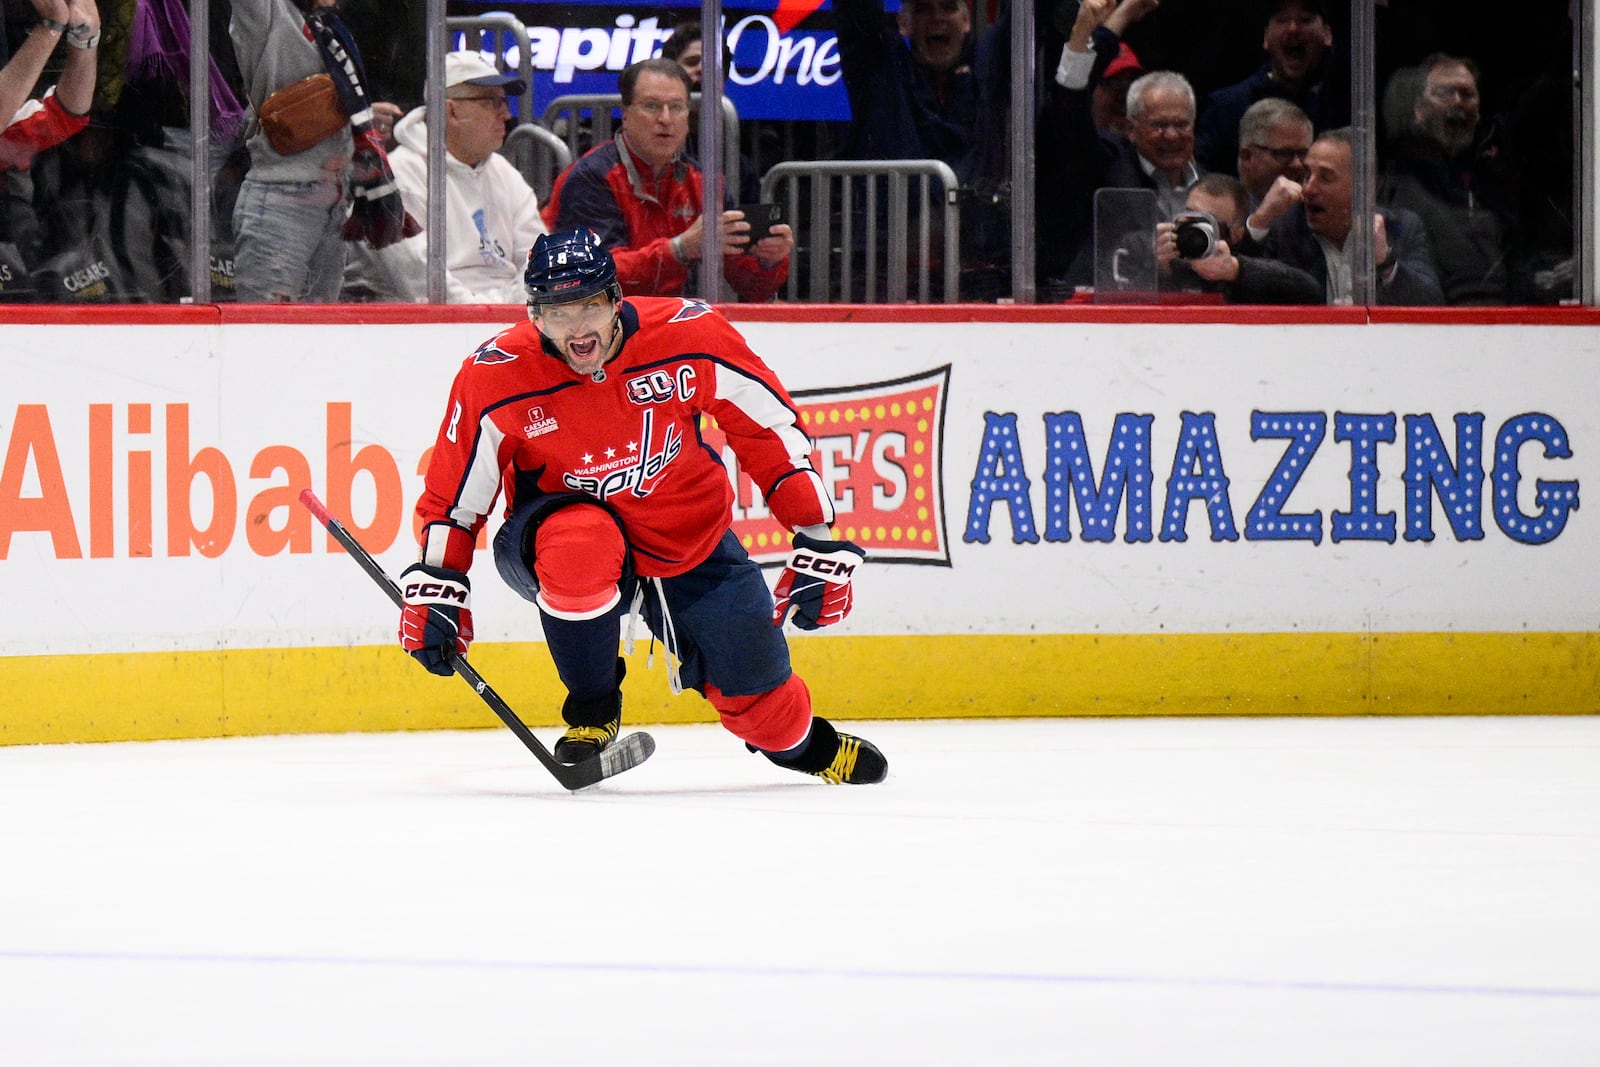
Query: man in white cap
[[491, 213]]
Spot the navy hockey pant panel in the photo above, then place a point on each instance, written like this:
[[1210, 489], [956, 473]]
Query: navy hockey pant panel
[[722, 622]]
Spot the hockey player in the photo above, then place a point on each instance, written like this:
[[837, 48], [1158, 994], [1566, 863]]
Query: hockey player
[[587, 417]]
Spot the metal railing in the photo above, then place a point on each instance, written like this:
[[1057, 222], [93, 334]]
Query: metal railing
[[539, 154], [837, 224], [584, 120]]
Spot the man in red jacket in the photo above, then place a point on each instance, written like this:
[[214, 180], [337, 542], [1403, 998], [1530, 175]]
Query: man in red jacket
[[587, 417], [642, 195]]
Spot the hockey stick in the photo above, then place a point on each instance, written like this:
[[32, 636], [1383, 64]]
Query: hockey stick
[[625, 753]]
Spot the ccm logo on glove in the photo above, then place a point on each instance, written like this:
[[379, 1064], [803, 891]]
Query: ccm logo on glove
[[831, 568], [437, 616], [814, 589], [437, 592]]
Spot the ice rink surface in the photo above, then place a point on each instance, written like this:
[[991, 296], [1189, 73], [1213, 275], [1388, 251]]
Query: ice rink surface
[[1167, 892]]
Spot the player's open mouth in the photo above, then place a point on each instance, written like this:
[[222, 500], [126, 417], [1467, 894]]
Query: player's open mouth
[[582, 350]]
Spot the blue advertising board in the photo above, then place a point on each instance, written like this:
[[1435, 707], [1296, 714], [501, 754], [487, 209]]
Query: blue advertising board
[[785, 53]]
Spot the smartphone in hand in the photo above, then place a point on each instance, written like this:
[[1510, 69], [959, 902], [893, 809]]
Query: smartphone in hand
[[762, 218]]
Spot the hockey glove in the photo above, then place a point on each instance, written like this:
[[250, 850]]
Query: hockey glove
[[437, 615], [815, 587], [377, 214]]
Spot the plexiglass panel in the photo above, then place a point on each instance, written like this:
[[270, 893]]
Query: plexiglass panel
[[1471, 138]]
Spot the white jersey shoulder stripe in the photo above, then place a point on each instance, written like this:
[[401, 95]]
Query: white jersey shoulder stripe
[[764, 407], [481, 483]]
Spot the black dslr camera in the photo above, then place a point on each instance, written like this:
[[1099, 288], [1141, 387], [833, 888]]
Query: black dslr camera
[[1197, 233]]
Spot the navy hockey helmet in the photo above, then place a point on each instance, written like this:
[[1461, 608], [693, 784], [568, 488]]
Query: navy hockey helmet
[[570, 265]]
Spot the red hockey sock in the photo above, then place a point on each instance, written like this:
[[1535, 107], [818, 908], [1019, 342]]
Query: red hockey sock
[[775, 720]]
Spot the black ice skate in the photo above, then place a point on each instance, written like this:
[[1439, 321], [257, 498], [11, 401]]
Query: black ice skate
[[836, 758], [585, 742], [591, 724]]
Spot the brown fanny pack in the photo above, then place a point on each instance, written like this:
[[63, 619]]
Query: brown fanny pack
[[302, 115]]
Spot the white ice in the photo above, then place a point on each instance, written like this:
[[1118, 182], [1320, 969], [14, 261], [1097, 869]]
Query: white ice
[[1100, 892]]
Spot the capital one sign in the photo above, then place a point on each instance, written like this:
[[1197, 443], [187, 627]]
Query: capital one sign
[[785, 54]]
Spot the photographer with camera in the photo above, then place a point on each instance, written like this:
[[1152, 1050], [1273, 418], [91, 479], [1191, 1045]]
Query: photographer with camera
[[1196, 251]]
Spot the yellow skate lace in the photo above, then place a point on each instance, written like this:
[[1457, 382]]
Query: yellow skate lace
[[598, 736], [844, 761]]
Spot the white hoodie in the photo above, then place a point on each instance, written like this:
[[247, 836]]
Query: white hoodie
[[491, 223]]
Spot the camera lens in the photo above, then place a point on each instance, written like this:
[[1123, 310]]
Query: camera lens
[[1197, 238]]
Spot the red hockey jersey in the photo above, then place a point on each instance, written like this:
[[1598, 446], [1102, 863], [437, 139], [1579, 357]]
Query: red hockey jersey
[[521, 421]]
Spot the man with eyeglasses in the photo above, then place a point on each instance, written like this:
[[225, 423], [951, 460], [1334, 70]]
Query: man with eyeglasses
[[1301, 67], [643, 196], [1075, 160], [1274, 137], [491, 213], [1274, 143], [1462, 190]]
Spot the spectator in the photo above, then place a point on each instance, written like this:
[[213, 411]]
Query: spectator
[[1274, 137], [491, 213], [115, 199], [1161, 132], [33, 125], [318, 173], [36, 124], [643, 198], [913, 82], [1110, 104], [1300, 67], [1458, 186], [1238, 277], [687, 49], [1538, 134], [921, 86], [1075, 161], [1314, 234], [1398, 108]]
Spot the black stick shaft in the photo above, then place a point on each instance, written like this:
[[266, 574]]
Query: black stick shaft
[[574, 777]]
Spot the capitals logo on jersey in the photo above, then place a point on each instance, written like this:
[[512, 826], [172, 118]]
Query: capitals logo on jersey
[[634, 471], [692, 309]]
